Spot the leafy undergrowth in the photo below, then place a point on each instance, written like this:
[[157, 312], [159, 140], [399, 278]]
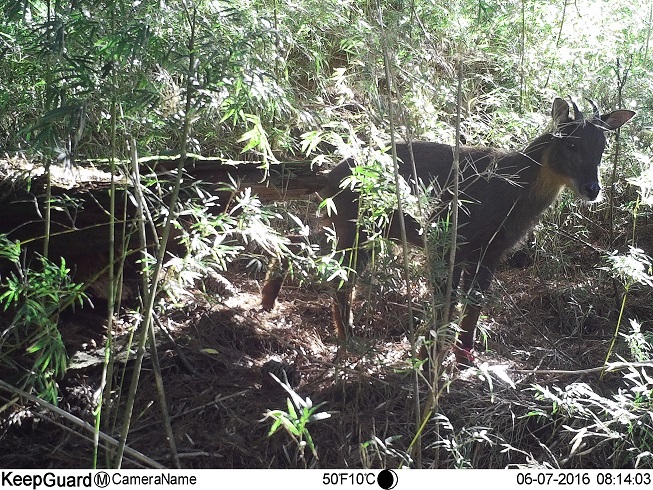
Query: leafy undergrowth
[[363, 401]]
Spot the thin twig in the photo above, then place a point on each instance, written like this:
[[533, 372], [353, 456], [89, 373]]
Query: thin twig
[[180, 353], [212, 403], [610, 367]]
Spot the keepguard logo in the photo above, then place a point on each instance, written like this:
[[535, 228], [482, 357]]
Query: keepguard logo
[[48, 480]]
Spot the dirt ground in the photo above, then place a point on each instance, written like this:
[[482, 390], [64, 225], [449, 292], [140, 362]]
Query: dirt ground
[[218, 398]]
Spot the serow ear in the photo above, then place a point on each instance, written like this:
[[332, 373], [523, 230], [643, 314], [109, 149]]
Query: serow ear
[[560, 111], [616, 119]]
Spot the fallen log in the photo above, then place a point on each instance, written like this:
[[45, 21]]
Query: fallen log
[[80, 217]]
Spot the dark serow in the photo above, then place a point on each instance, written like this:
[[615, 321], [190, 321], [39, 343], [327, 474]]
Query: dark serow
[[502, 196]]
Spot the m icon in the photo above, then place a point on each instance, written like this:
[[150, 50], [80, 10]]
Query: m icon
[[102, 479]]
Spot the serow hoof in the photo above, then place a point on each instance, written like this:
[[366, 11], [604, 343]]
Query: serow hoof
[[464, 356]]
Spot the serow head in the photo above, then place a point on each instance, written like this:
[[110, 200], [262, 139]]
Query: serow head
[[578, 143]]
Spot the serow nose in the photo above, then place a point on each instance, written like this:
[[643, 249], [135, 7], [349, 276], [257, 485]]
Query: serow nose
[[592, 190]]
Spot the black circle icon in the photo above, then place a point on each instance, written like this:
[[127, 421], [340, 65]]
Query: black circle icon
[[387, 479]]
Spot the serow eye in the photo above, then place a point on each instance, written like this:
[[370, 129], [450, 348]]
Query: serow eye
[[571, 145]]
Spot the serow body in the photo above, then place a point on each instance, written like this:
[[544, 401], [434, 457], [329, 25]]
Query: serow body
[[502, 196]]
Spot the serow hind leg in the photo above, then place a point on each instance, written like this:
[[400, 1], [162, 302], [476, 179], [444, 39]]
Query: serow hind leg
[[341, 311]]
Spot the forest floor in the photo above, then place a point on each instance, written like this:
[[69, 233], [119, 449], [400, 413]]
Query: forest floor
[[218, 400]]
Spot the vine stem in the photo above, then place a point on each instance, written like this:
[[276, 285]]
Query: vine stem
[[558, 38], [402, 223], [616, 330]]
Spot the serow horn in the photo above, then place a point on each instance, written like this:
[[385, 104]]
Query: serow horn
[[578, 116], [597, 112]]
